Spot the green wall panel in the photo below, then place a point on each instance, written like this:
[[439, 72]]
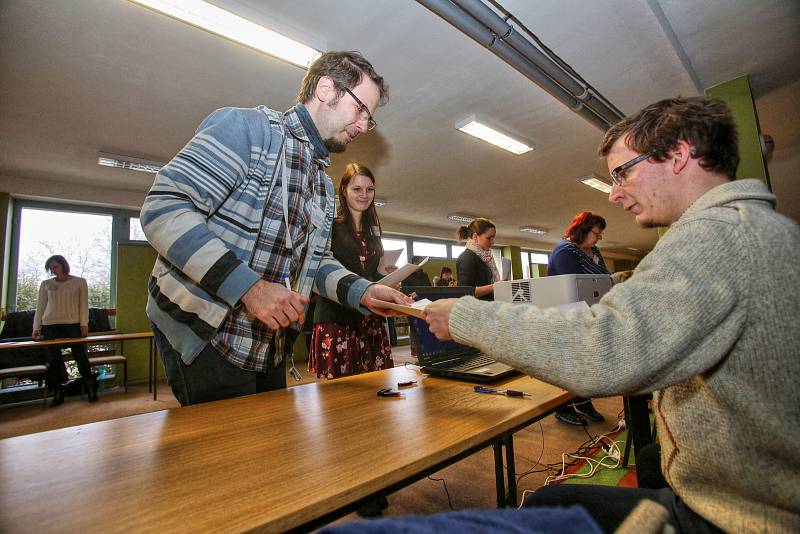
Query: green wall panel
[[134, 263], [736, 93]]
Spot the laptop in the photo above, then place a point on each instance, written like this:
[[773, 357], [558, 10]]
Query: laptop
[[447, 358]]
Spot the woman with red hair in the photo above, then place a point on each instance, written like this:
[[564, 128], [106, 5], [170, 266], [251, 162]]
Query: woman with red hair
[[577, 253]]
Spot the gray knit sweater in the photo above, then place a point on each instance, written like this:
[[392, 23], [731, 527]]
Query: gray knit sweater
[[709, 322]]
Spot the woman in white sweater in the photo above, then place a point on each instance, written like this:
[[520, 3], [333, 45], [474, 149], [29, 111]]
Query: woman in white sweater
[[63, 312]]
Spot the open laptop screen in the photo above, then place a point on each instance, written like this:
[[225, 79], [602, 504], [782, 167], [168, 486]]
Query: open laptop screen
[[426, 344]]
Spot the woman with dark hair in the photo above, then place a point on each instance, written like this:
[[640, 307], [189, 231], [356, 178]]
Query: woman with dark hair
[[445, 278], [577, 253], [63, 312], [476, 266], [344, 341]]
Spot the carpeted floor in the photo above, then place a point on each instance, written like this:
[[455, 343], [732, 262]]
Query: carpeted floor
[[601, 464], [469, 483]]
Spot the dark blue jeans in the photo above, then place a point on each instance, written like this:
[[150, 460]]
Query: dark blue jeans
[[210, 377], [610, 505], [56, 368]]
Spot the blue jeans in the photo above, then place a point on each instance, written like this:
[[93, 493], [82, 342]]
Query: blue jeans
[[211, 377]]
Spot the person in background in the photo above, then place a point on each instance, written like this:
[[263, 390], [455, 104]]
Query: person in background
[[577, 253], [476, 266], [445, 278], [417, 278], [241, 220], [707, 323], [63, 312], [344, 341]]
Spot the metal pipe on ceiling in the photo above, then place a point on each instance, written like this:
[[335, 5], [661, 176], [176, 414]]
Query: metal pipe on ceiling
[[483, 25]]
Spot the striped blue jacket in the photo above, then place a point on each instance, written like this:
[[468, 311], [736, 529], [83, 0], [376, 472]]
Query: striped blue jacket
[[204, 213]]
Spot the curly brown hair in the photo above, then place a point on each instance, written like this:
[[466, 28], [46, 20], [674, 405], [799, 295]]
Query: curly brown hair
[[346, 69], [704, 123]]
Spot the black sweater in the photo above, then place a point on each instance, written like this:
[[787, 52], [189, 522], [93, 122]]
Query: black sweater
[[345, 249], [473, 271]]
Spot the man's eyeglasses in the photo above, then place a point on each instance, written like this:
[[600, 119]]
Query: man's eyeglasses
[[364, 110], [618, 174]]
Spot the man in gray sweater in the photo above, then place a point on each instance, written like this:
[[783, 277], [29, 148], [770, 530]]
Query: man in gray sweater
[[708, 323]]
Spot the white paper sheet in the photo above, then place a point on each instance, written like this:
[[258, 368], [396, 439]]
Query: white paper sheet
[[390, 257], [393, 279]]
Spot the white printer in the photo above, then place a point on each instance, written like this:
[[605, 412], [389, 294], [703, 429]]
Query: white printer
[[554, 290]]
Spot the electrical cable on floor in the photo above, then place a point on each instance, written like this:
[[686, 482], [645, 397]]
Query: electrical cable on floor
[[533, 468], [583, 453], [449, 502]]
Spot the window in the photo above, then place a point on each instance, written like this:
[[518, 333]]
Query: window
[[85, 235], [456, 250], [426, 248], [135, 232], [396, 244], [531, 262], [538, 257], [84, 239]]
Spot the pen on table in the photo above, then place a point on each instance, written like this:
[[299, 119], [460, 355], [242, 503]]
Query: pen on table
[[508, 392]]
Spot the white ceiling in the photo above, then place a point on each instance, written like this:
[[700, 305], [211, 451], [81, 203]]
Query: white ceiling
[[84, 76]]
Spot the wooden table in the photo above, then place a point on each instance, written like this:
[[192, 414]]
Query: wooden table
[[289, 459], [103, 338]]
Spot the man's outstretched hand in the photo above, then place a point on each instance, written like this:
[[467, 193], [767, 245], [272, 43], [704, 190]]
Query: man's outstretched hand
[[274, 304]]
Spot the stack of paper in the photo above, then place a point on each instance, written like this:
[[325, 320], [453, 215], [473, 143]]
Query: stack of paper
[[415, 309]]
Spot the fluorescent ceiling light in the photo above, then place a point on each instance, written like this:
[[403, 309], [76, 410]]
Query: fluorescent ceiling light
[[533, 230], [128, 162], [480, 129], [233, 27], [379, 202], [592, 180], [461, 217], [633, 248]]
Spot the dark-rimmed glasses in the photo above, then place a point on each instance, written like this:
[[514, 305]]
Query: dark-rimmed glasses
[[364, 110], [618, 174]]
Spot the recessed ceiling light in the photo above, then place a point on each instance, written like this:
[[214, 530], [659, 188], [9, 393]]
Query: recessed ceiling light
[[461, 217], [215, 20], [533, 230], [128, 162], [481, 129], [595, 181]]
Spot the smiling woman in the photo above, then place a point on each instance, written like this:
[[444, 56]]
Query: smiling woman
[[344, 341]]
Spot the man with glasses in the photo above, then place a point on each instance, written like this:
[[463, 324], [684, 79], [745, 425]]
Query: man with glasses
[[707, 323], [241, 219]]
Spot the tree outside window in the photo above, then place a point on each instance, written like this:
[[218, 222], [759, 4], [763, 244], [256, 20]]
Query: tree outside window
[[84, 239]]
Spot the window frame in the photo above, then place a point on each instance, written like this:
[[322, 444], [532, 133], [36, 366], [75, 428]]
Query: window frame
[[120, 226]]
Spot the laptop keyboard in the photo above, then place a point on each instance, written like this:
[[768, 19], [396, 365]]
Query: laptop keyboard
[[477, 361]]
